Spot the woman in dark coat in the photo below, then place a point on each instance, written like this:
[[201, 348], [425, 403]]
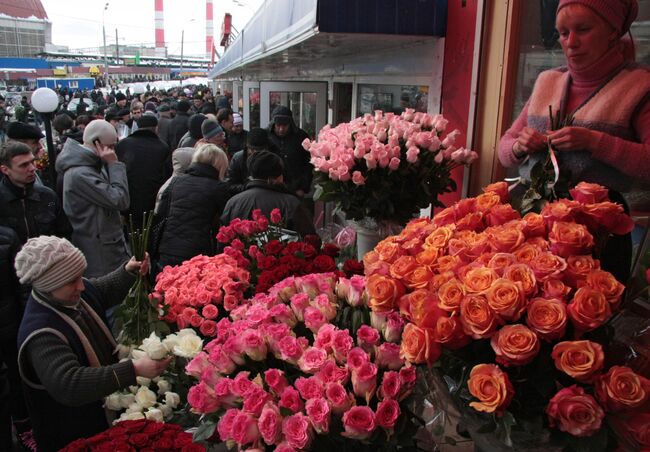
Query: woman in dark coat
[[196, 202]]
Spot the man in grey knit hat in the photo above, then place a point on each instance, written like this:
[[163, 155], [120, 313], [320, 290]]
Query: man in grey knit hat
[[66, 351]]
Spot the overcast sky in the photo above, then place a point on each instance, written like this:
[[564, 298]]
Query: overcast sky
[[78, 23]]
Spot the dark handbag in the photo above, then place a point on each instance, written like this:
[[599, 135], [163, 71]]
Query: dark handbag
[[159, 221]]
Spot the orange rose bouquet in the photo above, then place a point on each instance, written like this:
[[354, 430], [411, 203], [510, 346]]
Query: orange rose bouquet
[[514, 312]]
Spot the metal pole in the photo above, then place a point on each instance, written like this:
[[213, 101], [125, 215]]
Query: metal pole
[[180, 73], [51, 154], [117, 49], [105, 57]]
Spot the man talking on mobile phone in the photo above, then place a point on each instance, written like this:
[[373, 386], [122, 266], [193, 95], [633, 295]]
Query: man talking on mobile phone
[[95, 190]]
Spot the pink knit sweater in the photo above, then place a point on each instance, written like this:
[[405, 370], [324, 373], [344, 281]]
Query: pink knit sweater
[[629, 157]]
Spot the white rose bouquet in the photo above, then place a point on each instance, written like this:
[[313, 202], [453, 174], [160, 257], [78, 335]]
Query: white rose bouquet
[[155, 399]]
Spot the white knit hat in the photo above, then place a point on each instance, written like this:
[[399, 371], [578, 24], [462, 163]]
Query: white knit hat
[[48, 262]]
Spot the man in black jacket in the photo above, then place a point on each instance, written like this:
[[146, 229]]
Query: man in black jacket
[[148, 166], [286, 141], [237, 137], [29, 209], [266, 191], [237, 175], [164, 123], [180, 124]]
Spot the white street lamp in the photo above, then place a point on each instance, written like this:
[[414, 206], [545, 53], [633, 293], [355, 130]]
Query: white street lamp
[[45, 101]]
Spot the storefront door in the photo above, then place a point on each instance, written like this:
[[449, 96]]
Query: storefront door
[[307, 101], [251, 105]]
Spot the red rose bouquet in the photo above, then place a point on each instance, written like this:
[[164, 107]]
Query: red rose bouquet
[[140, 435], [260, 246], [199, 291], [300, 368], [514, 311]]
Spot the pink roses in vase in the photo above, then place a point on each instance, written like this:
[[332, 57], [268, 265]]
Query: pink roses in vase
[[386, 167]]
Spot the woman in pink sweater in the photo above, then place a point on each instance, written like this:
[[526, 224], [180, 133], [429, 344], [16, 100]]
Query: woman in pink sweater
[[608, 96]]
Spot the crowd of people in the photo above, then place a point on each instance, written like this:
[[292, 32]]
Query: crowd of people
[[63, 249]]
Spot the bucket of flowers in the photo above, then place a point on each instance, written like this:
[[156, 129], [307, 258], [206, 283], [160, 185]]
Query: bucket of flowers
[[513, 313]]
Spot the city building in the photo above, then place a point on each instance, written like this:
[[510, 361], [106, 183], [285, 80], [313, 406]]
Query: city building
[[25, 29]]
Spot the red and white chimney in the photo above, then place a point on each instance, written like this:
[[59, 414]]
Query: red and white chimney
[[209, 29], [160, 29]]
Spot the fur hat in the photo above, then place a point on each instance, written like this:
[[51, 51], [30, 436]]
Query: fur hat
[[49, 262], [258, 139], [194, 124], [237, 119], [21, 131], [618, 13], [265, 165], [183, 106], [147, 121], [282, 115]]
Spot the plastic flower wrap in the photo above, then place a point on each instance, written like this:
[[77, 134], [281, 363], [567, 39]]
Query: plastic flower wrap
[[301, 368], [386, 167], [514, 311], [199, 291]]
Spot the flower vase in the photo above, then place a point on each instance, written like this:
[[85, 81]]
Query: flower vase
[[370, 233]]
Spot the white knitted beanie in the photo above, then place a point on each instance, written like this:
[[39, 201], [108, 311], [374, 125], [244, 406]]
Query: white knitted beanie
[[48, 262]]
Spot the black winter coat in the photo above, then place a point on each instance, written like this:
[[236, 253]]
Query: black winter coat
[[237, 175], [298, 171], [236, 142], [178, 127], [10, 294], [165, 130], [197, 201], [266, 197], [148, 166], [32, 211]]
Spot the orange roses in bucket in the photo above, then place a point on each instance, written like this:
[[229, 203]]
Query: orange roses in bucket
[[519, 301]]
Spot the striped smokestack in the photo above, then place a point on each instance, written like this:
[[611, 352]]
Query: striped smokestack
[[209, 29], [160, 29]]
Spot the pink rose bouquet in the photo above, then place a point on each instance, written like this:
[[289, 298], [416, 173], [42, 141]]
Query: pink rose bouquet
[[386, 166]]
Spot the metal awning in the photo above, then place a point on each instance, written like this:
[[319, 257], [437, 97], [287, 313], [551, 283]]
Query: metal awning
[[295, 32]]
